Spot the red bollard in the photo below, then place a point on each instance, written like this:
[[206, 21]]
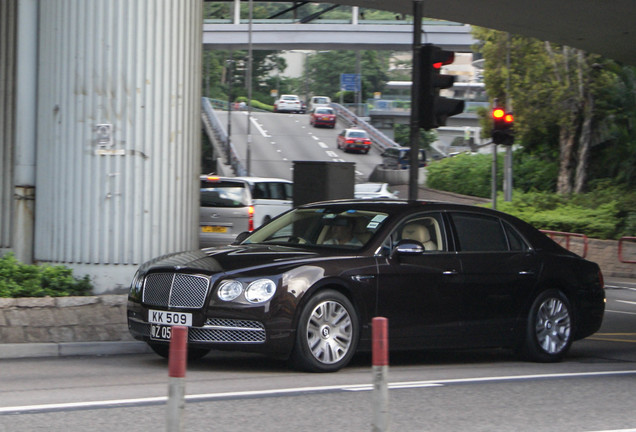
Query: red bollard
[[178, 354], [380, 338], [380, 360], [177, 361]]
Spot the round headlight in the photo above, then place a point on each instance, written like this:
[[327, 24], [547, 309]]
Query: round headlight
[[260, 291], [229, 290]]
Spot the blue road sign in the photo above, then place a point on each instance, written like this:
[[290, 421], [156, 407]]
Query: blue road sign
[[350, 82]]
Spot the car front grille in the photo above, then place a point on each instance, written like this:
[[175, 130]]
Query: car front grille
[[175, 290], [228, 331], [214, 331]]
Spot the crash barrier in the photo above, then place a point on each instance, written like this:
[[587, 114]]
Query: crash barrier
[[565, 240], [216, 131], [621, 257], [177, 360], [380, 361]]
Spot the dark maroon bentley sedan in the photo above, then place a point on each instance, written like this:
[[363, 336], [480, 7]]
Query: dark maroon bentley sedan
[[306, 286]]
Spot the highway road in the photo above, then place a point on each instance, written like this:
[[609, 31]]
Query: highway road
[[279, 139], [486, 390]]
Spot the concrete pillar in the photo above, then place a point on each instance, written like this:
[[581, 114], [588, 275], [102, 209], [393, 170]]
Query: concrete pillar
[[118, 134], [25, 133]]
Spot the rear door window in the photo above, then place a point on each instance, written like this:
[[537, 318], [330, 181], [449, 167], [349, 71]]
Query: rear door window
[[479, 233], [223, 194]]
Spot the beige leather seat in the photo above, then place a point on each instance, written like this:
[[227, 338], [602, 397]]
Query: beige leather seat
[[417, 231]]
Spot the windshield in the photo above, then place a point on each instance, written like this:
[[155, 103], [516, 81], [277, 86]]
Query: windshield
[[338, 228]]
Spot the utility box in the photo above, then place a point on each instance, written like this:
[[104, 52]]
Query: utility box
[[322, 181]]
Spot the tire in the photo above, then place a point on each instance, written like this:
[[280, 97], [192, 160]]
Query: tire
[[164, 351], [327, 333], [549, 328]]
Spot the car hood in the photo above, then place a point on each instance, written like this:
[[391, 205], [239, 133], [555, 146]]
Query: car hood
[[229, 258]]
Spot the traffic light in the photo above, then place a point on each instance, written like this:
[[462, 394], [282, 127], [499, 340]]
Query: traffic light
[[503, 123], [435, 109]]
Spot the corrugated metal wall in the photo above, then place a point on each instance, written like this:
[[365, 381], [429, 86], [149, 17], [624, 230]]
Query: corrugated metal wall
[[132, 66], [8, 10]]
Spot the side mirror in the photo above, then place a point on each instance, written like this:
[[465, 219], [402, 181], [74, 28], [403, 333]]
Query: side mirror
[[408, 247], [242, 236]]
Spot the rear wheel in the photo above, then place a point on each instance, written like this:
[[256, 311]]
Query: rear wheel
[[164, 351], [549, 328], [327, 333]]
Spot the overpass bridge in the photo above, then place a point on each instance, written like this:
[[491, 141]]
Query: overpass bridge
[[345, 35]]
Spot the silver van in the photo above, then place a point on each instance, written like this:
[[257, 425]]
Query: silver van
[[231, 205]]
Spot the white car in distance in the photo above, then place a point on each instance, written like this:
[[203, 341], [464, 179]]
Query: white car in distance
[[288, 103], [374, 190]]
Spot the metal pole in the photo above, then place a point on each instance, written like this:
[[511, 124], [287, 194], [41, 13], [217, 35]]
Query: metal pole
[[228, 143], [508, 174], [415, 97], [249, 92], [494, 177]]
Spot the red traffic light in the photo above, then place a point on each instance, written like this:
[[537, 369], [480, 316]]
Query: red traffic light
[[508, 118], [498, 114]]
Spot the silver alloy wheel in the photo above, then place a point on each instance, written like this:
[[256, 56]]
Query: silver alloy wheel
[[553, 325], [329, 332]]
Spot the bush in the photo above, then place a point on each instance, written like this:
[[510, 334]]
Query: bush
[[22, 280], [551, 212], [607, 211]]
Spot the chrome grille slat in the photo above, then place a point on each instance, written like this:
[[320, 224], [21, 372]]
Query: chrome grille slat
[[215, 331], [175, 290]]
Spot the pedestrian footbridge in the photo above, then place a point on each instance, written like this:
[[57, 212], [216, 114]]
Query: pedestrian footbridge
[[376, 35]]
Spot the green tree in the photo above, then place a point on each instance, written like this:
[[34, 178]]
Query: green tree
[[324, 69], [558, 95]]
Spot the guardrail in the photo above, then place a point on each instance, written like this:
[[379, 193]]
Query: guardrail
[[621, 258], [559, 237], [215, 130], [379, 140]]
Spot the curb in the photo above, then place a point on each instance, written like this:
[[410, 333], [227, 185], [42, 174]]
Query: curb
[[66, 349]]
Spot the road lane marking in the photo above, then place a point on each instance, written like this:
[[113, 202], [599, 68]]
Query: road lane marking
[[614, 337], [322, 144], [620, 312], [204, 397], [626, 301], [262, 131]]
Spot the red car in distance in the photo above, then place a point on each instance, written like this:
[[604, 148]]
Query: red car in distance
[[323, 116], [354, 140]]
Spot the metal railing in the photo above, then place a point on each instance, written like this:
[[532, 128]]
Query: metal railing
[[564, 239], [621, 258], [216, 131]]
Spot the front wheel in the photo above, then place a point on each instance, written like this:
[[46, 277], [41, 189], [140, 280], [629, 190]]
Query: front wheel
[[327, 333], [549, 329]]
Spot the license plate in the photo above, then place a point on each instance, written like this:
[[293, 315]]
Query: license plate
[[169, 318], [160, 332], [213, 229]]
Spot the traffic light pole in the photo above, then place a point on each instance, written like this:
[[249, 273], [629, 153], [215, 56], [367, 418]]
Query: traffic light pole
[[415, 98]]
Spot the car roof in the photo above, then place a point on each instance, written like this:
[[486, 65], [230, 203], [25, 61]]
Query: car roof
[[246, 179]]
